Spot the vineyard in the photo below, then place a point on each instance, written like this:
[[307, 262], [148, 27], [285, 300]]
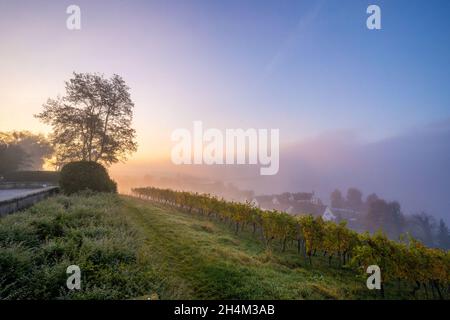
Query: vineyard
[[407, 263]]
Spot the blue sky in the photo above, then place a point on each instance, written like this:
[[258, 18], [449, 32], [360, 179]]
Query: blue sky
[[306, 67]]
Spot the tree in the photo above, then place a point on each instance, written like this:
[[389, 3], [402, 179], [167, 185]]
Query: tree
[[337, 201], [425, 224], [92, 122], [394, 220], [11, 157], [443, 236], [385, 216], [374, 219], [370, 199], [37, 148], [354, 199]]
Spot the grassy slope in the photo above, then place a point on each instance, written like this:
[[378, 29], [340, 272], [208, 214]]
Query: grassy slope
[[207, 260], [129, 248]]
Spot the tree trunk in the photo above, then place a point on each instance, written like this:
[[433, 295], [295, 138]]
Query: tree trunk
[[432, 290], [417, 287], [426, 290], [436, 285]]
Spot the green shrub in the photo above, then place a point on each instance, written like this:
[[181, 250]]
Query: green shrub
[[86, 175], [49, 228]]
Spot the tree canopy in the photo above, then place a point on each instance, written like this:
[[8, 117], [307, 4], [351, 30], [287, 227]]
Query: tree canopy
[[11, 157], [35, 149], [92, 122]]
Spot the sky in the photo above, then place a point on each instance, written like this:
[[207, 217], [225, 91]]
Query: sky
[[308, 68], [302, 66]]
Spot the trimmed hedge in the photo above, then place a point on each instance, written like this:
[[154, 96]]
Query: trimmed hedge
[[32, 176], [86, 175]]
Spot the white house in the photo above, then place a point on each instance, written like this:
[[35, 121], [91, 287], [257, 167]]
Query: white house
[[328, 215]]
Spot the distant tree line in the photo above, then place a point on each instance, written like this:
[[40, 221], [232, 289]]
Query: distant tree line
[[23, 150], [376, 214]]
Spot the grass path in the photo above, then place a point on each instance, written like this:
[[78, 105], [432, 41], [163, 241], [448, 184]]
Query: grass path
[[201, 259]]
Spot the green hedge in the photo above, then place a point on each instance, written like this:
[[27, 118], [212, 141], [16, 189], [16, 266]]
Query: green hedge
[[86, 175], [32, 176]]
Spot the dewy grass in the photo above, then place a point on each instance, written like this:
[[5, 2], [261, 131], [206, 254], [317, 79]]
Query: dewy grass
[[128, 248], [36, 247]]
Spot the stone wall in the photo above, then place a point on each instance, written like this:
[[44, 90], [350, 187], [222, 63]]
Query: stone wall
[[24, 201]]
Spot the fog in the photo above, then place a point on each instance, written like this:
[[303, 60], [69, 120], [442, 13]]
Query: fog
[[412, 168]]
